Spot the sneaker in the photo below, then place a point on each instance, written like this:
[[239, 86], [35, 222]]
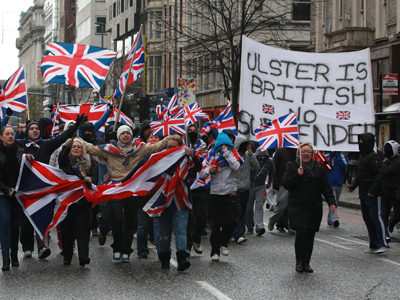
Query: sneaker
[[44, 252], [28, 253], [116, 257], [281, 230], [232, 240], [125, 257], [95, 232], [224, 251], [379, 250], [270, 226], [143, 254], [215, 257], [250, 231], [336, 223], [260, 231], [102, 239], [197, 248], [241, 240]]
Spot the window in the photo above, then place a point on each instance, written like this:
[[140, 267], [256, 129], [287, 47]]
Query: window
[[118, 32], [100, 28], [154, 72], [114, 9], [301, 10], [83, 30], [126, 25], [130, 3], [122, 6], [155, 24], [340, 9], [82, 4]]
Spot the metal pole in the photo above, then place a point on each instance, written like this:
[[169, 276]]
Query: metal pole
[[176, 49], [102, 34], [380, 92]]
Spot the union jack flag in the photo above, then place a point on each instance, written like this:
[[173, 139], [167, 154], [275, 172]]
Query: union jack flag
[[13, 93], [223, 121], [170, 125], [136, 69], [281, 132], [193, 113], [343, 115], [268, 109], [147, 177], [173, 107], [55, 129], [76, 65], [161, 111], [45, 194]]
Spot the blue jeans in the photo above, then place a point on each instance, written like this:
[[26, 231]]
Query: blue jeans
[[143, 221], [242, 200], [178, 223], [337, 190], [371, 208], [10, 218]]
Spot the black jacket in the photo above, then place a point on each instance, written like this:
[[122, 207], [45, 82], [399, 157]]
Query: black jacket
[[281, 157], [369, 177], [8, 178], [305, 195], [391, 173]]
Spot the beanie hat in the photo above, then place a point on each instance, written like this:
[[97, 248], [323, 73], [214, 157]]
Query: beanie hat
[[122, 129]]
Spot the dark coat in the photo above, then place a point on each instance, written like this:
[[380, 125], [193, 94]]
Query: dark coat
[[8, 178], [305, 195]]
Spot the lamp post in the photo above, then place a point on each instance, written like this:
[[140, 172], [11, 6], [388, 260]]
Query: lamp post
[[102, 25]]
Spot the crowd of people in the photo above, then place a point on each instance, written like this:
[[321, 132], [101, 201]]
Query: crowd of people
[[243, 180]]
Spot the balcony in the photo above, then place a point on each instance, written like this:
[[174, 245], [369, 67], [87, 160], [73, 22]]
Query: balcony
[[349, 39]]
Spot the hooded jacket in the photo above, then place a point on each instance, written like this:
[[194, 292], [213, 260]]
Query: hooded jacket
[[42, 149], [281, 157], [391, 169], [338, 164], [88, 126], [250, 162], [223, 182], [369, 178], [258, 177]]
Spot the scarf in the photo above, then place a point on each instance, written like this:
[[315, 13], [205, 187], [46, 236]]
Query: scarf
[[113, 149], [308, 169]]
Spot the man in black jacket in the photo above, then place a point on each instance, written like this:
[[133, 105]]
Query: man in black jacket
[[369, 181]]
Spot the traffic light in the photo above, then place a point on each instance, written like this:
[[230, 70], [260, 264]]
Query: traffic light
[[144, 108]]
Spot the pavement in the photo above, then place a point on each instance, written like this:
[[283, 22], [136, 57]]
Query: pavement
[[349, 200]]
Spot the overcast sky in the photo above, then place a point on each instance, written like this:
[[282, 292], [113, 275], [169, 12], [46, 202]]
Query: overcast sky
[[9, 22]]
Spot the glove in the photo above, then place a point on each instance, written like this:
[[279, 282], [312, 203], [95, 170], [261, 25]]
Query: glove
[[9, 112], [51, 108], [68, 143], [11, 192], [30, 157], [110, 106], [80, 119]]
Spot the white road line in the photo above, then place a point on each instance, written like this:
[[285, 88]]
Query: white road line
[[352, 241], [390, 261], [217, 293], [333, 244]]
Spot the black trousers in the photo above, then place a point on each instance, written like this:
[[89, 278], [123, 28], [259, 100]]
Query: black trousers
[[304, 244], [197, 217], [223, 209]]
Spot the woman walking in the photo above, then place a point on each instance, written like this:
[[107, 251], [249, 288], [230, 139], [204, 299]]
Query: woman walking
[[306, 181]]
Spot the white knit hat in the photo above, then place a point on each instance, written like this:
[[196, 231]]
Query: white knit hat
[[122, 129]]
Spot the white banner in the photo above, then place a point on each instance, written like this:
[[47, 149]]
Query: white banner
[[331, 93]]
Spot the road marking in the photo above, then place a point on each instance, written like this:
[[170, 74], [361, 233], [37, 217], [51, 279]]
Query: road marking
[[333, 244], [390, 261], [217, 293], [355, 242]]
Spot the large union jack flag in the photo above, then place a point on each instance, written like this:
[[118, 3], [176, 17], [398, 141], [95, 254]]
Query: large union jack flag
[[13, 93], [268, 109], [94, 112], [281, 132], [136, 69], [343, 115], [45, 194], [170, 125], [193, 113], [76, 65], [223, 121]]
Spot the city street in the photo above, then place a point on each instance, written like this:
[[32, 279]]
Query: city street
[[262, 268]]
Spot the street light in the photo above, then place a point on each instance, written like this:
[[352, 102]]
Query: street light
[[102, 25]]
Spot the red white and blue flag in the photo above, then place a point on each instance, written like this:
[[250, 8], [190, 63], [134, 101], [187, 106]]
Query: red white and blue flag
[[172, 108], [174, 124], [343, 115], [55, 129], [223, 121], [76, 65], [45, 194], [193, 113], [136, 69], [268, 109], [13, 93], [281, 132]]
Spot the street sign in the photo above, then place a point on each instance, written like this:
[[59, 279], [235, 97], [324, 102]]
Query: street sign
[[390, 84]]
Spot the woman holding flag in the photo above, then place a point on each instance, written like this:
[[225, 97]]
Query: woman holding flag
[[306, 181]]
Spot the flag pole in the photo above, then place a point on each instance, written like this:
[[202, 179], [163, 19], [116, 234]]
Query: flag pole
[[127, 78]]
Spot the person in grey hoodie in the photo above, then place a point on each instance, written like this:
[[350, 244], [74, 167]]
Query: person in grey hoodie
[[261, 179], [245, 150]]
